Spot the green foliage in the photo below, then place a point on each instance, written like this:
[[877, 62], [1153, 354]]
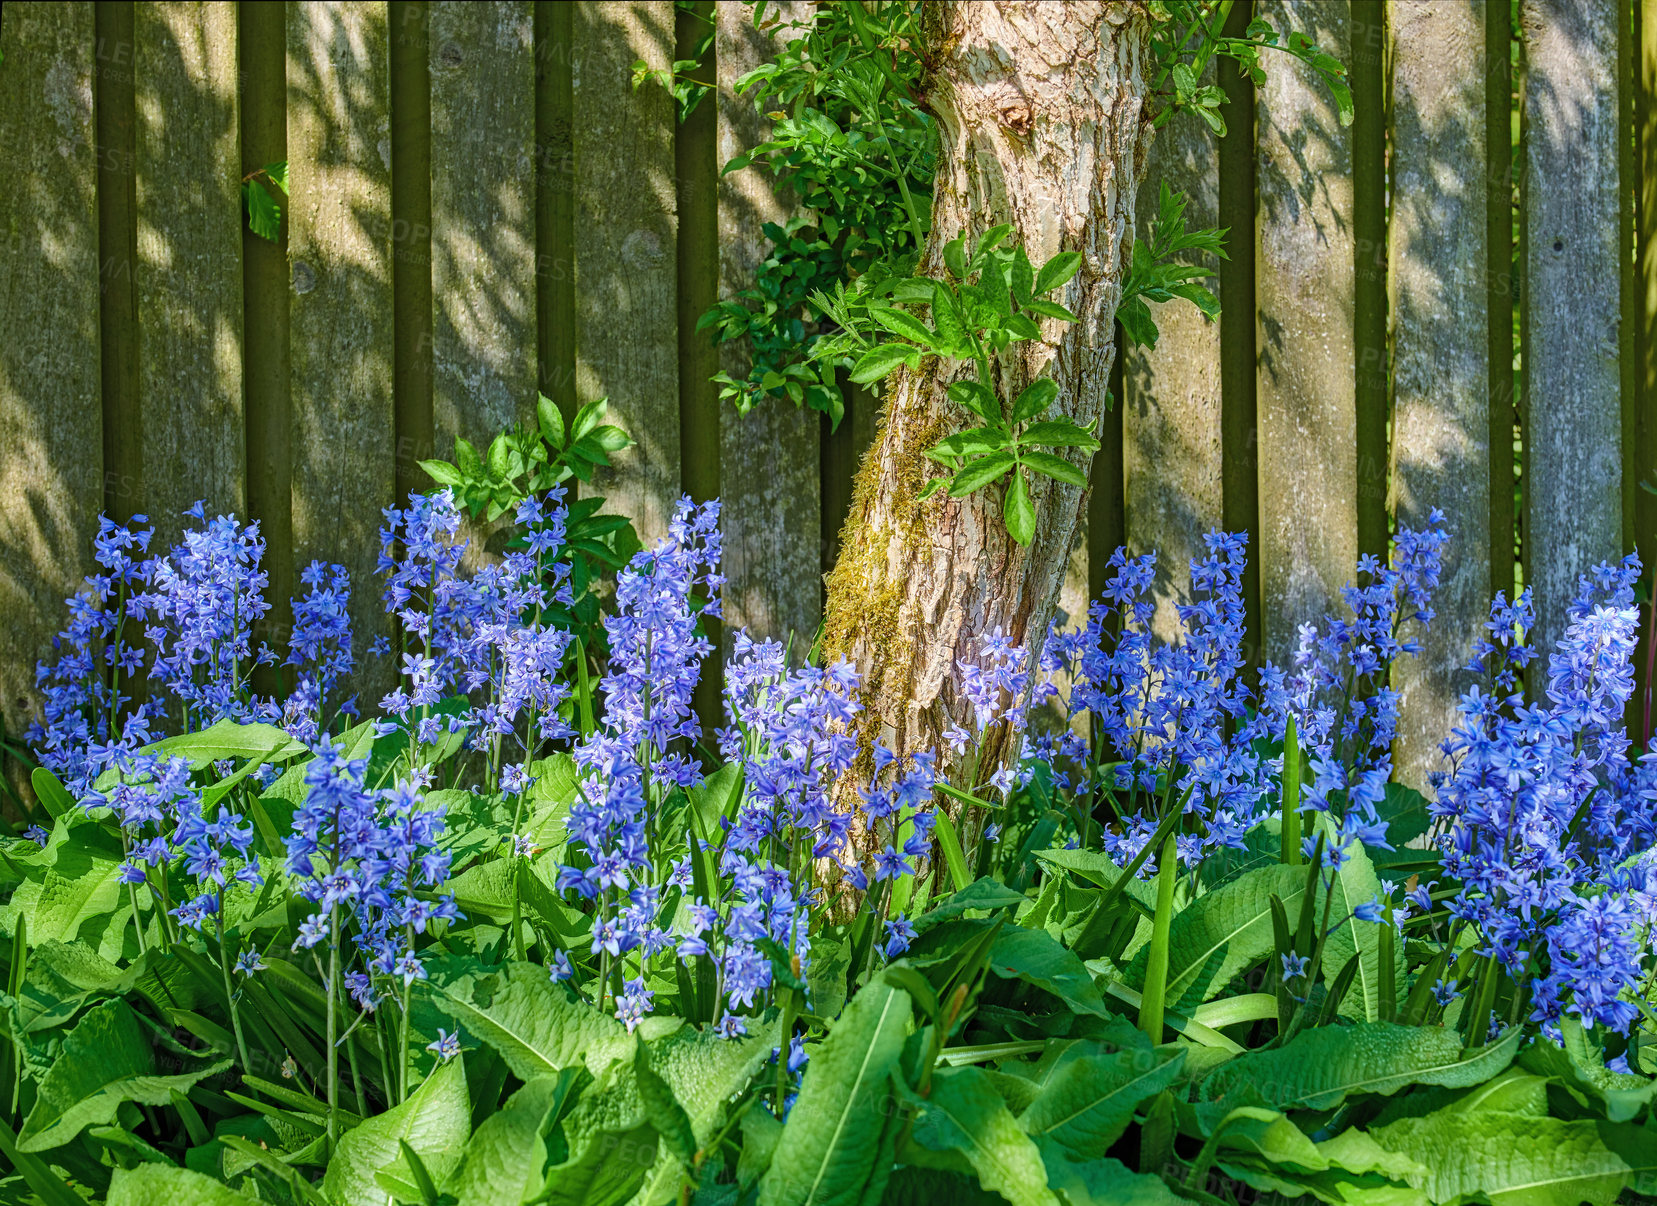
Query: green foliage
[[990, 299], [529, 460], [1187, 35], [263, 191], [850, 144], [1154, 276]]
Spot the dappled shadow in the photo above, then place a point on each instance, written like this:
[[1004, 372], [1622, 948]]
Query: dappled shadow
[[51, 451]]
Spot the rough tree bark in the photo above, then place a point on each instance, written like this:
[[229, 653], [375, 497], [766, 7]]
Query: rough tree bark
[[1042, 122]]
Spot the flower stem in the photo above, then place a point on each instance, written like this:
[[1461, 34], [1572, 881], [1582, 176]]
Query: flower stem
[[1151, 1006]]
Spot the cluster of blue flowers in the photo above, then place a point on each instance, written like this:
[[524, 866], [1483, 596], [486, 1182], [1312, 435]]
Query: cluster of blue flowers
[[370, 858], [1547, 822], [1546, 815], [1166, 717]]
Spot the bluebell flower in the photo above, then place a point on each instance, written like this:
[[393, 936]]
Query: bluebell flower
[[445, 1046]]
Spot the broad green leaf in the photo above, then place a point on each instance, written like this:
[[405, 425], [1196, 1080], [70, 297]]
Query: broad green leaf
[[532, 1023], [1221, 934], [1049, 309], [107, 1059], [1090, 1100], [1574, 1063], [704, 1073], [1036, 957], [609, 1141], [905, 326], [1057, 271], [1059, 433], [830, 1152], [1017, 511], [152, 1184], [966, 1118], [983, 893], [227, 739], [1356, 884], [1319, 1069], [550, 419], [51, 793], [1105, 1182], [979, 398], [980, 473], [1519, 1159], [1034, 399], [1269, 1135], [1054, 467], [264, 215], [435, 1121], [880, 362], [504, 1160], [441, 472]]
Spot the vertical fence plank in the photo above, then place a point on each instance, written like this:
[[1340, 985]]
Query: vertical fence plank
[[189, 278], [340, 248], [51, 470], [1172, 416], [770, 473], [1572, 257], [1304, 273], [626, 296], [483, 218], [1441, 372]]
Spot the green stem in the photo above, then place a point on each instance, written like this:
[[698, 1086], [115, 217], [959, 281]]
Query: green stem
[[230, 993], [332, 1026], [1156, 967]]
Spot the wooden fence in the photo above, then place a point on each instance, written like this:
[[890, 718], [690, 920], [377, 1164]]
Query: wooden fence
[[1434, 306]]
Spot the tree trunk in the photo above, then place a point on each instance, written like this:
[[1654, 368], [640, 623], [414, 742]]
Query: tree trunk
[[1042, 123]]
